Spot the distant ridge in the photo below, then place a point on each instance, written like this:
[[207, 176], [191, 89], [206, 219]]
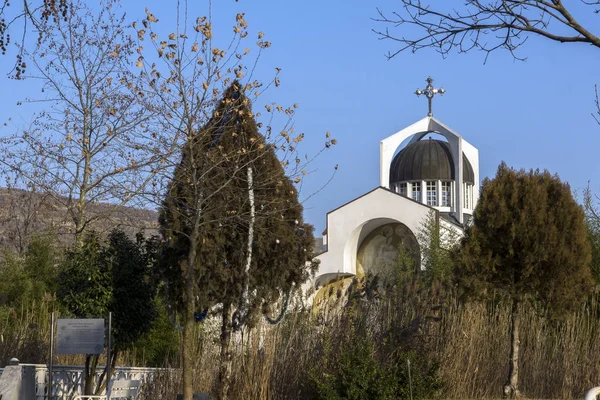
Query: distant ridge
[[24, 213]]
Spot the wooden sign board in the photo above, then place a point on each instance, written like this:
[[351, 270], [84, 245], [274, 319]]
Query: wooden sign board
[[80, 336]]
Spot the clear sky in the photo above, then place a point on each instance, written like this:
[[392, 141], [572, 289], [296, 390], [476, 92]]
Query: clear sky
[[532, 114]]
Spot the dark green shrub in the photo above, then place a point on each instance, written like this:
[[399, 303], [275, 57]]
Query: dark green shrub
[[160, 346], [356, 371]]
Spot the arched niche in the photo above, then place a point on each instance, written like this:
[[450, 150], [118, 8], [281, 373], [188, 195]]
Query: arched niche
[[381, 245]]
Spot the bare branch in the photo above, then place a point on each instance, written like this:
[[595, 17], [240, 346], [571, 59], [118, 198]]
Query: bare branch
[[597, 101], [482, 25]]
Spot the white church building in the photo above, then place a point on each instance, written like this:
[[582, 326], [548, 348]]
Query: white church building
[[425, 167]]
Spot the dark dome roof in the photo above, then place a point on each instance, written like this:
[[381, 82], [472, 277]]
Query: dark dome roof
[[427, 160]]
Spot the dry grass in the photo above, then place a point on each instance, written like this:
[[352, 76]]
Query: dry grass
[[559, 359]]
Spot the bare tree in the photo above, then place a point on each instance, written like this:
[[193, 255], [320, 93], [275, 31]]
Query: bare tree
[[96, 140], [483, 25]]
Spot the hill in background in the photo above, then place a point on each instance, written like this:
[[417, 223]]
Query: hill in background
[[25, 213]]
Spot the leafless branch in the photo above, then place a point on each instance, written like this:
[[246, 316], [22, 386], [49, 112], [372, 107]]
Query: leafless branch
[[482, 25], [596, 115]]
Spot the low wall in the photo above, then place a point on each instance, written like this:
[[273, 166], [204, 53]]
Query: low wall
[[68, 379]]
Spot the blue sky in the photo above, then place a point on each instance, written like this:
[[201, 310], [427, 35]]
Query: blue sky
[[532, 114]]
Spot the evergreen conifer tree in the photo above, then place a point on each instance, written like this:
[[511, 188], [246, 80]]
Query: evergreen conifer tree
[[233, 224], [529, 243]]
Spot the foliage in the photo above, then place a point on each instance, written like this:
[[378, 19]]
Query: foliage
[[25, 331], [85, 280], [437, 239], [528, 240], [226, 147], [132, 301], [29, 278], [185, 74], [365, 356], [357, 375], [233, 219], [529, 243], [160, 346], [592, 220], [97, 278], [28, 284]]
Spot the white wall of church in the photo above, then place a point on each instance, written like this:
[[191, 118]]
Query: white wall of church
[[353, 221]]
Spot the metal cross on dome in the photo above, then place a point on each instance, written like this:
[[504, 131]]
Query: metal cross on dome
[[429, 92]]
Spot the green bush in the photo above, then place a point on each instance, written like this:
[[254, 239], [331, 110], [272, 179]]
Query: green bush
[[160, 346], [355, 375], [28, 278], [355, 371]]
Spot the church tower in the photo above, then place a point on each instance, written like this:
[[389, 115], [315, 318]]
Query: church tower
[[443, 174]]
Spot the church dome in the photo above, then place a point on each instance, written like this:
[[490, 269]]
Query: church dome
[[427, 160]]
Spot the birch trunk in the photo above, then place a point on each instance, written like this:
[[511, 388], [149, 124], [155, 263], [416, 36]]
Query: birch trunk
[[240, 314]]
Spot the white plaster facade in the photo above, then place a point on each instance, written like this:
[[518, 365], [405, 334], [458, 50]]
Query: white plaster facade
[[349, 224]]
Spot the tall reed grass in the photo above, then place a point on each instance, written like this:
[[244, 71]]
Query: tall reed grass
[[469, 342]]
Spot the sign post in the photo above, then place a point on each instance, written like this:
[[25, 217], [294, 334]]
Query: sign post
[[80, 336], [51, 365], [108, 354]]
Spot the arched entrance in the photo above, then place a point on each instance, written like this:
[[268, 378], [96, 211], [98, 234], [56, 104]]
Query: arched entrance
[[381, 247]]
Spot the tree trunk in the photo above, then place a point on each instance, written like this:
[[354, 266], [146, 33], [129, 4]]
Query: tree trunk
[[102, 379], [187, 343], [91, 361], [225, 362], [511, 387]]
